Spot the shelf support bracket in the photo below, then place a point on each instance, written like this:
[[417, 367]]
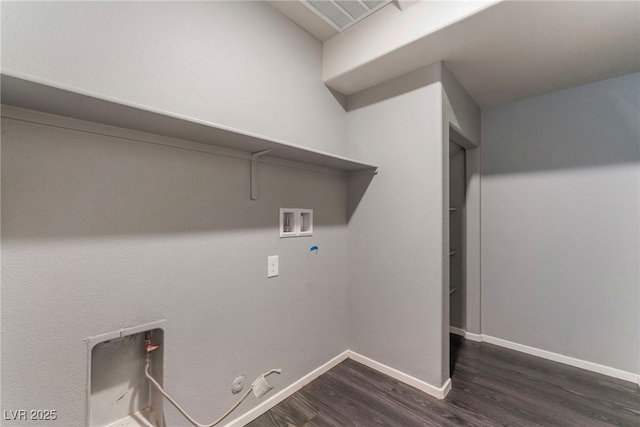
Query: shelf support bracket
[[254, 171]]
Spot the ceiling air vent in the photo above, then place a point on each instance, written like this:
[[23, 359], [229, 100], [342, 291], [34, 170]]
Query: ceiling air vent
[[341, 14]]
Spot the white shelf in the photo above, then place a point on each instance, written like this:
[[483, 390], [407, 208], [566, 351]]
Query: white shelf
[[25, 92]]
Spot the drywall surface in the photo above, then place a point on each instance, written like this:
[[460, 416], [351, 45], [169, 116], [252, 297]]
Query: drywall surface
[[461, 123], [495, 49], [380, 35], [238, 64], [102, 233], [459, 109], [560, 222], [395, 231]]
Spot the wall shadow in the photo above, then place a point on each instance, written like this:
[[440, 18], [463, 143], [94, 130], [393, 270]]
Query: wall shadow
[[61, 184], [421, 77], [587, 126], [356, 188]]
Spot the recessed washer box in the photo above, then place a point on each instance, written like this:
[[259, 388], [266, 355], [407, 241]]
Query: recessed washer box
[[119, 394], [295, 222]]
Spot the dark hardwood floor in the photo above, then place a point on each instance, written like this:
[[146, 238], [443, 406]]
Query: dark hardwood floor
[[492, 386]]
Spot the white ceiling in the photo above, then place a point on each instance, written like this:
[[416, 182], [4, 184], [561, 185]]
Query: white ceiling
[[301, 15], [510, 50]]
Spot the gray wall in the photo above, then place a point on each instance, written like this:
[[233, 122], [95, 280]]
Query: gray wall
[[398, 229], [461, 124], [560, 227], [239, 64], [395, 232], [100, 234]]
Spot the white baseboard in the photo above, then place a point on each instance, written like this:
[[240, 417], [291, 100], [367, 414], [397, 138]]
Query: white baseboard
[[473, 337], [468, 335], [286, 392], [567, 360], [439, 392], [457, 331], [556, 357]]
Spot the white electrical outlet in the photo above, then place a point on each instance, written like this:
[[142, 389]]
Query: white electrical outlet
[[272, 266]]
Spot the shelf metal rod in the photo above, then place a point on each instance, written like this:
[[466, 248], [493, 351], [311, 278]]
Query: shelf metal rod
[[453, 253]]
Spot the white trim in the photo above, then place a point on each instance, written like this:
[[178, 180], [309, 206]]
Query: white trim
[[72, 124], [287, 391], [473, 337], [567, 360], [22, 90], [468, 335], [439, 392], [247, 417], [457, 331], [556, 357]]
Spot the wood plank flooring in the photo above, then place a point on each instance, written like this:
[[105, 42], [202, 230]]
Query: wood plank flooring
[[492, 386]]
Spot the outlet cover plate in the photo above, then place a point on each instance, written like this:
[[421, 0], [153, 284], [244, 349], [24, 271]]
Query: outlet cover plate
[[273, 268]]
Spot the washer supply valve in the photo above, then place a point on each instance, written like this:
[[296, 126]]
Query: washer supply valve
[[148, 347]]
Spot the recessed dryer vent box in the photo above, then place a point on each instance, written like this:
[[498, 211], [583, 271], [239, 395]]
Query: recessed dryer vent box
[[296, 222], [305, 217], [119, 393]]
